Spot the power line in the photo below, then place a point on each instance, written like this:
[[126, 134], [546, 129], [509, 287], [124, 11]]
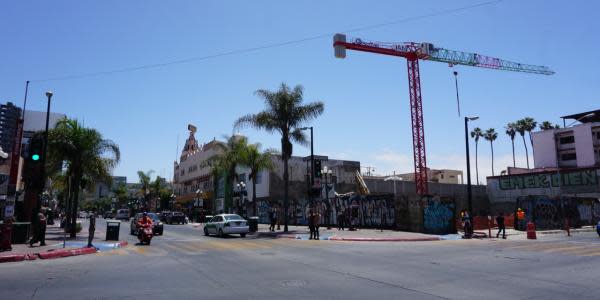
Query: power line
[[268, 46]]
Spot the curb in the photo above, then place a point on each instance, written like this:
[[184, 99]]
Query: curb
[[66, 253], [357, 239], [12, 258]]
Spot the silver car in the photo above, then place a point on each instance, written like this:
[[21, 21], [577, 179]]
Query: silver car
[[226, 224]]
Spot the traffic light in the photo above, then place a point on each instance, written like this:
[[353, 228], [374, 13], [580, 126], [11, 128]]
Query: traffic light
[[33, 169], [317, 170]]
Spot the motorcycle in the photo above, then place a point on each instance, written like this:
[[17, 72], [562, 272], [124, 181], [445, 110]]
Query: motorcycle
[[145, 234]]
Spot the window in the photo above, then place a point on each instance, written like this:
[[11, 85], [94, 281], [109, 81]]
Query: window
[[568, 156], [567, 140], [258, 178]]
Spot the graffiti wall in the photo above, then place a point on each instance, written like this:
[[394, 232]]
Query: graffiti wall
[[438, 216], [551, 213]]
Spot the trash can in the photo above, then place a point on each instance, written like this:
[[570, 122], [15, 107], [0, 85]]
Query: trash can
[[21, 232], [112, 230], [253, 224]]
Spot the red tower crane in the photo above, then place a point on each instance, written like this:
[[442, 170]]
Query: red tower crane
[[427, 51]]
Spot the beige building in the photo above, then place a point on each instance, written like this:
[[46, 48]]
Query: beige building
[[439, 176]]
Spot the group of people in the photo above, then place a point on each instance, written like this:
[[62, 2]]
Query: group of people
[[467, 223]]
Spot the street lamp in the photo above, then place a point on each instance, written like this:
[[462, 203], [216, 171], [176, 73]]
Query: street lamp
[[469, 191], [312, 163], [241, 187], [326, 172]]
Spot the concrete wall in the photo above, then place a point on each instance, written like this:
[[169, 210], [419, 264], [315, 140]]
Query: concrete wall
[[584, 145], [504, 191], [545, 144]]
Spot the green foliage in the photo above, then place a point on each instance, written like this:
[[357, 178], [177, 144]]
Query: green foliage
[[84, 152]]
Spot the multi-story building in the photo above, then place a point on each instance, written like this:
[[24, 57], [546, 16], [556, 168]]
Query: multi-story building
[[9, 114], [571, 147], [193, 178], [439, 176]]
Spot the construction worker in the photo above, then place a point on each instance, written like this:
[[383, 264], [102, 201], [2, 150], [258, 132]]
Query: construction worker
[[520, 219]]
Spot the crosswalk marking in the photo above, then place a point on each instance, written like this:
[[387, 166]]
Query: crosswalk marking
[[565, 248]]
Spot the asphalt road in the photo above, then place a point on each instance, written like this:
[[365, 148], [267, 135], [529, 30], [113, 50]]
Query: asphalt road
[[183, 264]]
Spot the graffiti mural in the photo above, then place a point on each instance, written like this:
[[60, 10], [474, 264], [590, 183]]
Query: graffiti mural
[[551, 213], [438, 217]]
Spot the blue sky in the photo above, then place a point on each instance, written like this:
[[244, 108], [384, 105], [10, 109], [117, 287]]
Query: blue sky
[[366, 96]]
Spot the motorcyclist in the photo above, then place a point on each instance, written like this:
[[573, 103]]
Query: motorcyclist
[[143, 222]]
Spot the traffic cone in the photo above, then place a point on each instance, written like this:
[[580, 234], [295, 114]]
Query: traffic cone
[[531, 231]]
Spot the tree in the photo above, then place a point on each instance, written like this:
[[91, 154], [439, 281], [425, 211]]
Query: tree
[[256, 161], [521, 128], [511, 131], [225, 163], [85, 153], [122, 194], [530, 124], [491, 136], [476, 134], [285, 114], [145, 183], [546, 125]]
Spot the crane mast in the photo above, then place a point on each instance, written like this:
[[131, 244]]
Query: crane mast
[[413, 52]]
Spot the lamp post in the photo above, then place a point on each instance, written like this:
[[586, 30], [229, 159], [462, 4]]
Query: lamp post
[[312, 163], [241, 187], [327, 174], [469, 190]]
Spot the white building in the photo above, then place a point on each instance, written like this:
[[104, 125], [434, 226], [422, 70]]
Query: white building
[[571, 147]]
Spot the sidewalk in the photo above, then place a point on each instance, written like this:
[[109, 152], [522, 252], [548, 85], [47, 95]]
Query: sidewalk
[[57, 246], [360, 235]]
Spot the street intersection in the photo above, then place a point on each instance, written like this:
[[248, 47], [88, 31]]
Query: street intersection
[[184, 264]]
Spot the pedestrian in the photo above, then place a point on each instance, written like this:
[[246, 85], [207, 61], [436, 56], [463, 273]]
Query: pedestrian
[[520, 219], [39, 232], [340, 219], [278, 219], [91, 229], [273, 217], [467, 226], [316, 224], [501, 227]]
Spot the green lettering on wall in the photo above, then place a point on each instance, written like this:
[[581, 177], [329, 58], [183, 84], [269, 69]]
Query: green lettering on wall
[[530, 182], [585, 178], [505, 184], [518, 182], [589, 178], [575, 178], [543, 180], [554, 180]]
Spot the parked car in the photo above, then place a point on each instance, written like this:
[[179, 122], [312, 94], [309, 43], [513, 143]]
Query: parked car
[[226, 224], [122, 214], [176, 217], [108, 215], [157, 225], [164, 215]]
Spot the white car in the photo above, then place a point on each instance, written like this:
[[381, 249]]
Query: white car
[[226, 224], [122, 214]]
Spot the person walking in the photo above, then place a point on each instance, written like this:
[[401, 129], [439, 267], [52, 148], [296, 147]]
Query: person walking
[[278, 211], [39, 234], [340, 219], [520, 219], [501, 227], [91, 229], [467, 226], [311, 226], [316, 223], [273, 217]]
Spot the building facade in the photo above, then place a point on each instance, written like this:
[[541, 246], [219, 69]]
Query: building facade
[[9, 114], [439, 176]]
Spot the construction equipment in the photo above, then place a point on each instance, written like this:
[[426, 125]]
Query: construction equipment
[[413, 52], [360, 183]]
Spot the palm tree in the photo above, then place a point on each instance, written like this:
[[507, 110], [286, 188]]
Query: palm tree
[[256, 161], [511, 131], [491, 136], [546, 125], [85, 153], [145, 185], [530, 124], [121, 193], [521, 128], [476, 134], [285, 113], [226, 162]]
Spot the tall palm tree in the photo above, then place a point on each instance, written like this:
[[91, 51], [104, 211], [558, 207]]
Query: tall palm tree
[[256, 161], [511, 131], [284, 113], [476, 134], [226, 162], [530, 124], [145, 185], [491, 136], [547, 125], [521, 128], [85, 153]]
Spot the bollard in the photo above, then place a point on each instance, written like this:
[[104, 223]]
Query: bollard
[[531, 231]]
